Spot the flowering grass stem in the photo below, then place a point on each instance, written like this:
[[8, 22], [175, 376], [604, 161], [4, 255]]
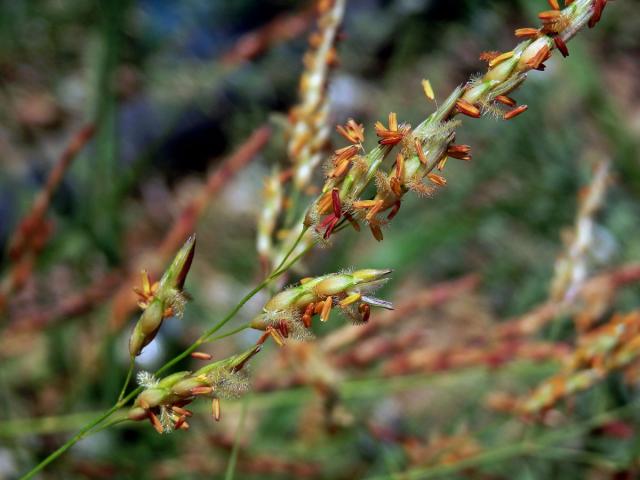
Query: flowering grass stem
[[205, 337]]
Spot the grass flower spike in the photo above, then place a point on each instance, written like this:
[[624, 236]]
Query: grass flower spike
[[427, 147], [163, 400], [291, 312], [163, 299]]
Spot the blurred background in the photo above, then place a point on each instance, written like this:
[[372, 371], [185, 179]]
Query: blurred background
[[161, 98]]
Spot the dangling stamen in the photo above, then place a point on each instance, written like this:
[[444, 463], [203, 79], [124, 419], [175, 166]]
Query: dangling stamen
[[215, 408], [326, 309]]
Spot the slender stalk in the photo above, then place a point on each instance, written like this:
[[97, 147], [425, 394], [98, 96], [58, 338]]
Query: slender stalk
[[233, 459], [291, 250], [110, 424], [289, 220], [72, 441], [128, 379], [231, 332]]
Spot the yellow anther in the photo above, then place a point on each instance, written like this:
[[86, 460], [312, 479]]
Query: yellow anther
[[276, 337], [146, 283], [428, 90], [353, 298], [501, 58], [215, 408]]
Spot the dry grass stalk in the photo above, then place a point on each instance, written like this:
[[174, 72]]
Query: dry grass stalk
[[308, 136], [595, 296], [281, 28], [33, 231]]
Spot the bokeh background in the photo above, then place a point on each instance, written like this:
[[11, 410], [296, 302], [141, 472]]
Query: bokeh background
[[174, 89]]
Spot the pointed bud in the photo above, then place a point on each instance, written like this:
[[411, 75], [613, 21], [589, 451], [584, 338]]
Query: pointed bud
[[370, 275], [175, 276], [166, 300], [151, 397], [537, 48], [186, 387], [137, 413], [475, 93], [147, 327], [334, 284]]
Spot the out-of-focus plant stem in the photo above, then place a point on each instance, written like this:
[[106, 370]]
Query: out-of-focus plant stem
[[233, 459], [624, 146], [518, 449], [103, 217], [31, 234]]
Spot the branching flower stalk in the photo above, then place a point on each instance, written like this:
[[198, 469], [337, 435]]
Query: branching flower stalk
[[352, 171], [207, 336], [162, 299]]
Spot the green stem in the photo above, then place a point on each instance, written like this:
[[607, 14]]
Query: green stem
[[233, 459], [294, 198], [231, 332], [128, 379], [110, 424], [84, 431], [293, 247], [73, 440]]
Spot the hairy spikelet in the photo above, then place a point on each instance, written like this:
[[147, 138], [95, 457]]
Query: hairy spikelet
[[382, 183], [229, 384], [166, 420], [146, 379], [437, 132], [417, 186], [492, 109], [176, 301]]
